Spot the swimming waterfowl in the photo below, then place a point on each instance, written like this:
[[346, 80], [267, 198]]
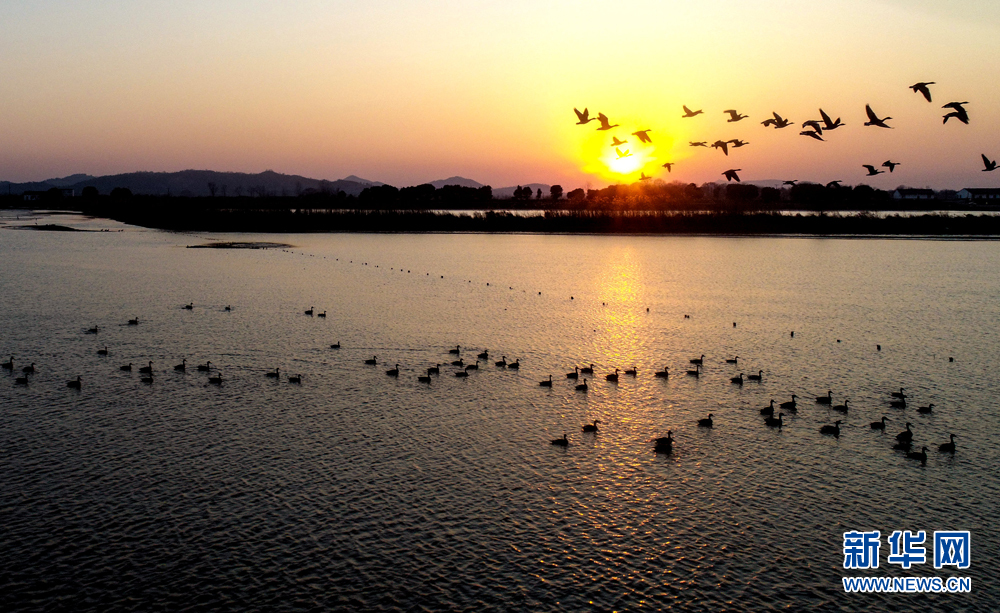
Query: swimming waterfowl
[[903, 446], [561, 442], [768, 410], [335, 345], [462, 373], [575, 374], [758, 377], [905, 435], [77, 384], [664, 444], [841, 408], [97, 329], [457, 350], [323, 314], [485, 355], [295, 379], [587, 370], [591, 427], [459, 362], [127, 367], [737, 380], [696, 372], [424, 378], [948, 447], [133, 322], [207, 366], [879, 425], [926, 410], [700, 360], [182, 366], [546, 383], [393, 372], [373, 361], [103, 351], [273, 375], [8, 365], [918, 455], [147, 369], [434, 370], [148, 380], [473, 366], [29, 369], [613, 376], [502, 363], [516, 364], [216, 380], [828, 399], [632, 371], [189, 306], [773, 422], [834, 429], [707, 422], [898, 394], [310, 311], [897, 404], [582, 387], [733, 361], [663, 374]]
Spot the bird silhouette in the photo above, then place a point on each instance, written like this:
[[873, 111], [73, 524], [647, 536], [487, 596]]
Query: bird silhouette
[[605, 124], [958, 112], [827, 123], [811, 133], [689, 113], [617, 143], [561, 442], [921, 88], [873, 119], [734, 116], [990, 164], [698, 143], [871, 170], [890, 165], [834, 184], [814, 124], [668, 166], [721, 144], [643, 177], [643, 136], [583, 117], [622, 155], [731, 174], [778, 121], [791, 182], [737, 143]]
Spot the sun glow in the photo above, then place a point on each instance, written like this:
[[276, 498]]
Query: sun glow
[[598, 155]]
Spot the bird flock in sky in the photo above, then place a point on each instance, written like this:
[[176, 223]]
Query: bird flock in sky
[[813, 128]]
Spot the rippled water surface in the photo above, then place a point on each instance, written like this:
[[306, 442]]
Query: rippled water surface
[[356, 490]]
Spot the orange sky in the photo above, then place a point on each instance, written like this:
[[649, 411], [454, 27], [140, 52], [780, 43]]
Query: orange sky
[[407, 92]]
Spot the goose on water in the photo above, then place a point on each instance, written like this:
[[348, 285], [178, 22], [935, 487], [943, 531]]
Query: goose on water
[[473, 366], [613, 376], [373, 361], [189, 306], [133, 322], [561, 442], [462, 373], [905, 435], [75, 384], [29, 369], [903, 446], [587, 370], [948, 447], [791, 405], [664, 444], [769, 410], [424, 378], [335, 345], [485, 355], [879, 425], [700, 360], [393, 372], [828, 399], [310, 311], [207, 366], [632, 371], [841, 408], [8, 365], [295, 379], [21, 380], [926, 410], [758, 377], [103, 351], [502, 363], [918, 455], [575, 374], [663, 374], [897, 404], [898, 394], [773, 422], [707, 422], [459, 362], [434, 370], [127, 367], [696, 372], [457, 350], [148, 380], [582, 387], [546, 383], [182, 366], [737, 380], [216, 380], [273, 375], [733, 361], [834, 429], [147, 369], [591, 427], [516, 364]]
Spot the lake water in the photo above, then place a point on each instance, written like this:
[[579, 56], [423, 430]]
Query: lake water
[[358, 491]]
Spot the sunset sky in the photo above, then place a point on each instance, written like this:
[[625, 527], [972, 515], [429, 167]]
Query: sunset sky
[[408, 92]]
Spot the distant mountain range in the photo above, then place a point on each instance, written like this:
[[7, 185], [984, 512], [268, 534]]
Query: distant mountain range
[[203, 182]]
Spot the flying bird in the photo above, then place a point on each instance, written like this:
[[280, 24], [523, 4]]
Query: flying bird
[[890, 165], [583, 117], [828, 124], [643, 177], [959, 112], [871, 170], [737, 143], [834, 183], [721, 144], [921, 88], [668, 166], [617, 143], [605, 124], [698, 144], [814, 124], [778, 122], [873, 119], [643, 137], [812, 133], [622, 155], [791, 182], [689, 113], [734, 116], [731, 174], [990, 164]]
